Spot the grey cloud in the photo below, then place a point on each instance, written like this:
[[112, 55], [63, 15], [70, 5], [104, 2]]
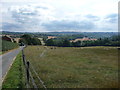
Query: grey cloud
[[30, 15], [112, 15], [24, 18], [89, 16], [69, 25], [42, 7], [112, 18], [11, 26], [32, 19]]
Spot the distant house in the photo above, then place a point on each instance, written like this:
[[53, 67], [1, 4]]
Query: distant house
[[7, 38], [51, 37], [83, 39]]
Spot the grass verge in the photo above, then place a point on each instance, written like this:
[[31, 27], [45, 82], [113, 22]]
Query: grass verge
[[14, 78]]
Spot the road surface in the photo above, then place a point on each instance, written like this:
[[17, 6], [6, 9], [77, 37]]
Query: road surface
[[7, 60]]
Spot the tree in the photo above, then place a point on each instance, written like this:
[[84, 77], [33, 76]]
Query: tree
[[76, 44], [35, 41], [49, 42], [29, 40], [66, 43]]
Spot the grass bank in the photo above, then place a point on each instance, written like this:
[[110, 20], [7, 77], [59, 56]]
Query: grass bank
[[15, 78], [6, 45], [70, 67]]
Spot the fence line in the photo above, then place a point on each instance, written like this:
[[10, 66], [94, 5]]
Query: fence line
[[33, 81], [38, 77], [29, 76], [25, 66]]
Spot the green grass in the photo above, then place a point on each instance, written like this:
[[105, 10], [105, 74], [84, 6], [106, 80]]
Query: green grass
[[14, 78], [69, 67], [2, 52], [6, 45]]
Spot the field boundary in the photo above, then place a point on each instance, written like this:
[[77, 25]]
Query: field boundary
[[29, 77]]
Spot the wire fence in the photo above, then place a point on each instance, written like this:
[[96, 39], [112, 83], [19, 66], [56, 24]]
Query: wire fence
[[31, 75]]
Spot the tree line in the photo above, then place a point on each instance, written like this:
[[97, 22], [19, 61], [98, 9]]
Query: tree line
[[65, 42]]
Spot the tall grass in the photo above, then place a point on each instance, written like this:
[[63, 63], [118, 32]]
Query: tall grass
[[69, 67]]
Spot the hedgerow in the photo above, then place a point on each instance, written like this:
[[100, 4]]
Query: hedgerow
[[6, 45]]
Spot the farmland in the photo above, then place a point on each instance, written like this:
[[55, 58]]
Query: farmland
[[70, 67]]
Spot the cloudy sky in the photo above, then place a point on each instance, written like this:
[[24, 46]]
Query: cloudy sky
[[59, 15]]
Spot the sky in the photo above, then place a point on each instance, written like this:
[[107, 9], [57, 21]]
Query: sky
[[59, 15]]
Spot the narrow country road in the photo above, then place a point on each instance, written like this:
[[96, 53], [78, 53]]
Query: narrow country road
[[7, 60]]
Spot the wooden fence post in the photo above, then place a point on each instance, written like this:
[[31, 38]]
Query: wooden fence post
[[23, 57], [28, 73]]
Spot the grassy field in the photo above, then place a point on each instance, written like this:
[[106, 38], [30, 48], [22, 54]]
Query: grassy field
[[70, 67], [15, 78]]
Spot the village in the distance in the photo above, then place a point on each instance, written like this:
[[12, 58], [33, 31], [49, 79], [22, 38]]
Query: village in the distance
[[76, 39]]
